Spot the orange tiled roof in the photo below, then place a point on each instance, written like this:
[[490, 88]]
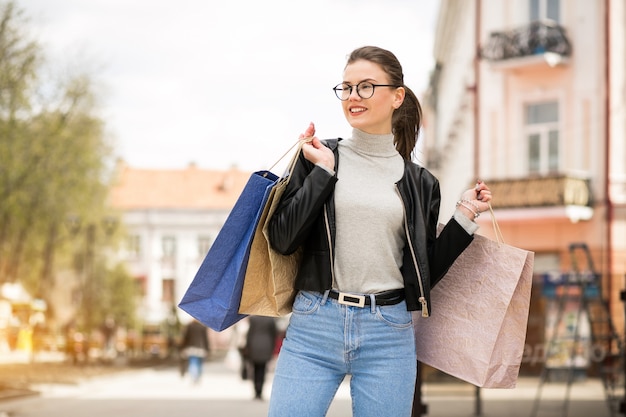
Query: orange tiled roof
[[191, 188]]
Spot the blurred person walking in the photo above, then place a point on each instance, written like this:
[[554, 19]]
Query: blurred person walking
[[259, 350], [195, 347]]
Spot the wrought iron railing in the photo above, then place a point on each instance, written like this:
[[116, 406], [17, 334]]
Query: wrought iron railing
[[538, 37]]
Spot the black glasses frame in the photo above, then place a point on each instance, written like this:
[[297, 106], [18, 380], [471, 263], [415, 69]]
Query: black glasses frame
[[339, 89]]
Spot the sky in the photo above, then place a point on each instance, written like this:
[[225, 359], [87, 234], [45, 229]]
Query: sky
[[223, 83]]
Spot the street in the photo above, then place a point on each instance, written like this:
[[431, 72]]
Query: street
[[161, 392], [154, 392]]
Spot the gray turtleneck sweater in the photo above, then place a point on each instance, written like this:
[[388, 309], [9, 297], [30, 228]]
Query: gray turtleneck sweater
[[368, 214]]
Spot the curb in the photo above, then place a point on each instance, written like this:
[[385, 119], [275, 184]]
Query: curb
[[8, 393]]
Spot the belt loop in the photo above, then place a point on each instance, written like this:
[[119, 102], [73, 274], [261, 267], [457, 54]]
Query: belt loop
[[325, 297], [373, 303]]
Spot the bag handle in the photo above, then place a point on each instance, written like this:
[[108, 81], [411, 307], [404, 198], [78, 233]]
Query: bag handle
[[496, 227], [299, 143]]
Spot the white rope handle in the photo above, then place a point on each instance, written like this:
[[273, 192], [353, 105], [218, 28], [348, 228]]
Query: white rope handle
[[299, 143], [496, 227]]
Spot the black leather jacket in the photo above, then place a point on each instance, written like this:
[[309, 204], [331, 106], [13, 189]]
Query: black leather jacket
[[305, 218]]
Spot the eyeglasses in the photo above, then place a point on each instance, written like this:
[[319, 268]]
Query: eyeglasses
[[364, 89]]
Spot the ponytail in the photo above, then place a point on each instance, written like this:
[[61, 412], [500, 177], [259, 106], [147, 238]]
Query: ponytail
[[406, 122]]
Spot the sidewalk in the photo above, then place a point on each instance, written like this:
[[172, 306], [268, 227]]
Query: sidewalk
[[223, 388], [459, 399], [17, 356], [451, 399]]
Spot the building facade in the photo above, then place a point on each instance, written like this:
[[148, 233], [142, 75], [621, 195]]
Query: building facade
[[171, 218], [530, 96]]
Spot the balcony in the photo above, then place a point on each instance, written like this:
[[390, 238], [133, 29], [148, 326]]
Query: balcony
[[539, 43], [559, 196]]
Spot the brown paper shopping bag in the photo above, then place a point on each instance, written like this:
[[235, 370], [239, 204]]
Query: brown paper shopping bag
[[480, 309], [268, 288]]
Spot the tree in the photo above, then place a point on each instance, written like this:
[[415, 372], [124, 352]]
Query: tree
[[54, 162], [18, 61]]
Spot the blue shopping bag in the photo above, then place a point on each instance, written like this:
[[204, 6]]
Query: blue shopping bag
[[214, 294]]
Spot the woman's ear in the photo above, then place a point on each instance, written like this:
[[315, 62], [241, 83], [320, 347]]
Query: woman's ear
[[398, 97]]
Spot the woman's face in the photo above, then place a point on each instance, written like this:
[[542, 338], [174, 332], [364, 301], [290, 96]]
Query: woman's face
[[371, 115]]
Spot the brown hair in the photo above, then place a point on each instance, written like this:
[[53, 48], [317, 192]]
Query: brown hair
[[407, 119]]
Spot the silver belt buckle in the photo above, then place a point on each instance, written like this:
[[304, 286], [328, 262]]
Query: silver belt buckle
[[351, 299]]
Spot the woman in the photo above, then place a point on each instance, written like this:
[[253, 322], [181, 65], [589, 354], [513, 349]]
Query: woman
[[366, 219]]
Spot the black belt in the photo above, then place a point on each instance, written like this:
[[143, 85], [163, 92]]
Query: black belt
[[385, 298]]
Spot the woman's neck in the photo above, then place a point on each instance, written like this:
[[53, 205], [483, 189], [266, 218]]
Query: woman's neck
[[373, 144]]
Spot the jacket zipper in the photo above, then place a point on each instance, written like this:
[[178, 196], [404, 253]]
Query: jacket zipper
[[330, 246], [422, 298]]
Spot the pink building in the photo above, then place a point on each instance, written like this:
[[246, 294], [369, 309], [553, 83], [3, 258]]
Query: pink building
[[530, 96]]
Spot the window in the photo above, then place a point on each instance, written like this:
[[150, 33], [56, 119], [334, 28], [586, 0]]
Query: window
[[542, 133], [168, 290], [141, 286], [204, 244], [133, 247], [169, 247], [544, 9]]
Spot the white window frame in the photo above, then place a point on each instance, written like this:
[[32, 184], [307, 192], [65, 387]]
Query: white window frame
[[133, 247], [204, 243], [168, 247], [543, 130], [542, 10]]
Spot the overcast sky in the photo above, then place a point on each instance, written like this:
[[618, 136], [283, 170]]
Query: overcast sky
[[225, 82]]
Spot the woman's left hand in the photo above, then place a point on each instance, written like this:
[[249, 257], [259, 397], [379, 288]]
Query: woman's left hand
[[477, 198]]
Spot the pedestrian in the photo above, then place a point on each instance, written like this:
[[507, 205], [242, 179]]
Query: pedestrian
[[195, 347], [366, 219], [259, 349]]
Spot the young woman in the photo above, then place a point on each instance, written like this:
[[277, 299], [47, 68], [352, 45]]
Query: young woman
[[366, 219]]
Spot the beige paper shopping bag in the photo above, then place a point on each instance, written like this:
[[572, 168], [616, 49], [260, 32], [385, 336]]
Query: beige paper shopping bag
[[268, 288], [478, 329]]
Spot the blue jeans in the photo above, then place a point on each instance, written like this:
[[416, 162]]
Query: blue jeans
[[325, 341], [195, 368]]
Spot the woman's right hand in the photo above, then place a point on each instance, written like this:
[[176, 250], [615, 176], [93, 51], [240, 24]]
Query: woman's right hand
[[315, 152]]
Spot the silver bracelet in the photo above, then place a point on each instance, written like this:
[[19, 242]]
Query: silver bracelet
[[462, 203], [470, 202]]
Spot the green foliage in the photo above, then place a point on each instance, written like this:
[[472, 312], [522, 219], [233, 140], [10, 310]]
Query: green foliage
[[54, 163], [19, 58], [111, 294]]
